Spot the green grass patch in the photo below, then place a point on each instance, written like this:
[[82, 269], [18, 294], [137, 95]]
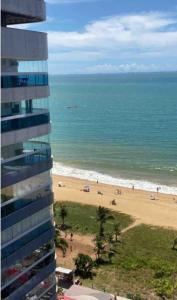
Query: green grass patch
[[82, 218], [145, 264]]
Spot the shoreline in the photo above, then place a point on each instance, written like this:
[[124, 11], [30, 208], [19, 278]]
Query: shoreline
[[137, 203], [83, 174]]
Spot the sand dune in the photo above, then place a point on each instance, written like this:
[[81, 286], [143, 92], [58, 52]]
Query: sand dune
[[137, 203]]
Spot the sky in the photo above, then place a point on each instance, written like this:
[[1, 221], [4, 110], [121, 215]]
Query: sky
[[110, 36]]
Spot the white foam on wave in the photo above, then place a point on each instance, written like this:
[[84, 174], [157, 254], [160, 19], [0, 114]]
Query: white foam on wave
[[60, 169]]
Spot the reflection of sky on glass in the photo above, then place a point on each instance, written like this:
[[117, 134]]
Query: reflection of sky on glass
[[32, 66]]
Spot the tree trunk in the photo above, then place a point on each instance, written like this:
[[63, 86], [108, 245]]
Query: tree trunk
[[101, 233]]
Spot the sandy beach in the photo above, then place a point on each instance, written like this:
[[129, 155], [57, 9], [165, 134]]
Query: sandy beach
[[159, 212]]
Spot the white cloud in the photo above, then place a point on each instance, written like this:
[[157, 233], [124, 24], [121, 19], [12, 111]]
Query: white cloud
[[124, 68], [145, 36], [133, 31]]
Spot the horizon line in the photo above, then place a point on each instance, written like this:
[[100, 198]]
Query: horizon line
[[118, 73]]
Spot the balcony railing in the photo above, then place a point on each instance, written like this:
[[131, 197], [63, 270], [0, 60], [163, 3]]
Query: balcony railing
[[28, 248], [25, 120], [27, 238], [26, 165], [21, 292], [24, 280], [50, 294], [23, 265], [24, 80], [15, 212], [9, 206], [43, 288]]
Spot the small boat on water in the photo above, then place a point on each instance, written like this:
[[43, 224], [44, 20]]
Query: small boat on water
[[73, 106]]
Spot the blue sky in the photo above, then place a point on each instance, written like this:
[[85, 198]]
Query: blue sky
[[110, 36]]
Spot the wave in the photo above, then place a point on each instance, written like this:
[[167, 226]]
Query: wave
[[63, 170]]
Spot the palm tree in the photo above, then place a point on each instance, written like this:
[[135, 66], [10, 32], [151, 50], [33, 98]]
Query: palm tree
[[63, 214], [174, 244], [111, 253], [84, 265], [55, 205], [117, 230], [110, 246], [99, 247], [103, 215], [60, 243], [110, 237]]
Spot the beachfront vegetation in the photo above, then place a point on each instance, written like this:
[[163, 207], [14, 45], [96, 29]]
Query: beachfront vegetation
[[83, 218], [117, 231], [99, 248], [174, 247], [60, 242], [103, 215], [143, 264], [104, 243], [63, 214], [84, 265]]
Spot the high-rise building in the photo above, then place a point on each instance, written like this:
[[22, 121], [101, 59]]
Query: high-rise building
[[27, 246]]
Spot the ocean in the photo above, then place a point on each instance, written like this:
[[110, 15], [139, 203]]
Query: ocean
[[119, 129]]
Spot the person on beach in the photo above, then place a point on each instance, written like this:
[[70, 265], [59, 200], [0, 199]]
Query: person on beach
[[113, 202], [158, 188], [133, 187], [116, 192], [99, 193], [71, 237], [97, 181]]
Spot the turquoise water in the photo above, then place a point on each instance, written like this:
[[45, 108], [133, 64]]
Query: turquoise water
[[124, 126]]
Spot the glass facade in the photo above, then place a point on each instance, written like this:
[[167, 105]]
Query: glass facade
[[14, 206], [23, 107], [21, 121], [25, 187], [18, 229], [32, 66], [15, 151], [24, 278], [8, 109], [22, 66], [24, 80], [16, 164], [27, 238], [19, 266], [42, 288], [27, 246]]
